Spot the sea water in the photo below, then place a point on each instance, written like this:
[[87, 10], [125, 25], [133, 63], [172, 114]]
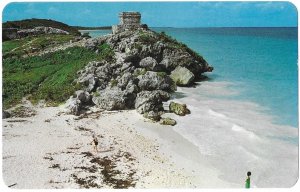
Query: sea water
[[260, 62], [245, 116]]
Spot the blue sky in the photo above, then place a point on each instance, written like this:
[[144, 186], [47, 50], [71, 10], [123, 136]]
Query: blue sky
[[161, 14]]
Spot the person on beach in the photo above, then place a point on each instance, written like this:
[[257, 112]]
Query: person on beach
[[95, 143], [248, 179]]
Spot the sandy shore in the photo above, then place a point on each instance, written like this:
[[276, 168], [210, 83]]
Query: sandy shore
[[213, 147], [53, 150]]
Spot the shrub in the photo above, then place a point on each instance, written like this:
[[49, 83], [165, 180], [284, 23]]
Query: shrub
[[48, 77]]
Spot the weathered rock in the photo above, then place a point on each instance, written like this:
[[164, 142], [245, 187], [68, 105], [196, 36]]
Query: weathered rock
[[114, 99], [150, 101], [110, 99], [5, 114], [138, 77], [124, 80], [167, 121], [73, 106], [40, 30], [156, 81], [22, 111], [149, 64], [179, 109], [83, 96], [91, 44], [90, 81], [131, 87], [152, 115], [182, 76]]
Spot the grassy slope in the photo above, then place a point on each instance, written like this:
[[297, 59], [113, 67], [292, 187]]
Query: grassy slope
[[27, 45], [31, 23], [48, 77]]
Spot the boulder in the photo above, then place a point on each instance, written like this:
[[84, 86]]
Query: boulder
[[156, 81], [147, 101], [167, 121], [152, 115], [182, 76], [91, 44], [149, 64], [114, 99], [73, 106], [90, 81], [124, 80], [110, 99], [83, 96], [5, 114], [179, 109]]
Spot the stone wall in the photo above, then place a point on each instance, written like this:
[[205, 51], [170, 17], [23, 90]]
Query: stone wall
[[130, 18], [128, 21]]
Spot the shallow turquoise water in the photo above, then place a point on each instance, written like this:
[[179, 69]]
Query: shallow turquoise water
[[261, 62]]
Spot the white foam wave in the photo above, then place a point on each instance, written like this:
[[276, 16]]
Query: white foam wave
[[216, 114], [236, 137]]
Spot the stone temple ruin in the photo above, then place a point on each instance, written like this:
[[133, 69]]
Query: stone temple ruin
[[128, 21]]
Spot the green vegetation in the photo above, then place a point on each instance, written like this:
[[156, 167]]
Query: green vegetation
[[31, 23], [29, 45], [106, 52], [173, 43], [146, 37], [48, 77], [161, 74]]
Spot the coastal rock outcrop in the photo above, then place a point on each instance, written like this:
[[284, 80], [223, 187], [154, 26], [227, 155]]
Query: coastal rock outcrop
[[141, 72], [153, 115], [147, 101], [167, 121], [5, 114], [114, 99], [77, 102], [182, 76], [40, 30], [156, 81], [150, 64], [178, 109]]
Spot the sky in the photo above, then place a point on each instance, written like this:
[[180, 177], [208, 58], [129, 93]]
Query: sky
[[160, 14]]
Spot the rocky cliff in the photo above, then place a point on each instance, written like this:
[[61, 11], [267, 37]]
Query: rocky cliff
[[145, 68]]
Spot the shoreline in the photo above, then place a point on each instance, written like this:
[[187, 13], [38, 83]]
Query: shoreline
[[147, 154], [53, 150], [238, 136]]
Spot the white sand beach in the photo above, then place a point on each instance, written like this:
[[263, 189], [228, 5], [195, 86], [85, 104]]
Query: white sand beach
[[54, 151], [208, 148]]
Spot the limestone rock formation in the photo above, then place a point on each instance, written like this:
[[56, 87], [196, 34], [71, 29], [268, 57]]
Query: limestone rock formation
[[40, 30], [182, 76], [150, 64], [156, 81], [179, 109], [153, 115], [167, 121], [77, 102], [147, 101], [141, 74]]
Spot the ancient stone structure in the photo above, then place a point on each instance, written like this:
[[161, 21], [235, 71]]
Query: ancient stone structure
[[128, 21]]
